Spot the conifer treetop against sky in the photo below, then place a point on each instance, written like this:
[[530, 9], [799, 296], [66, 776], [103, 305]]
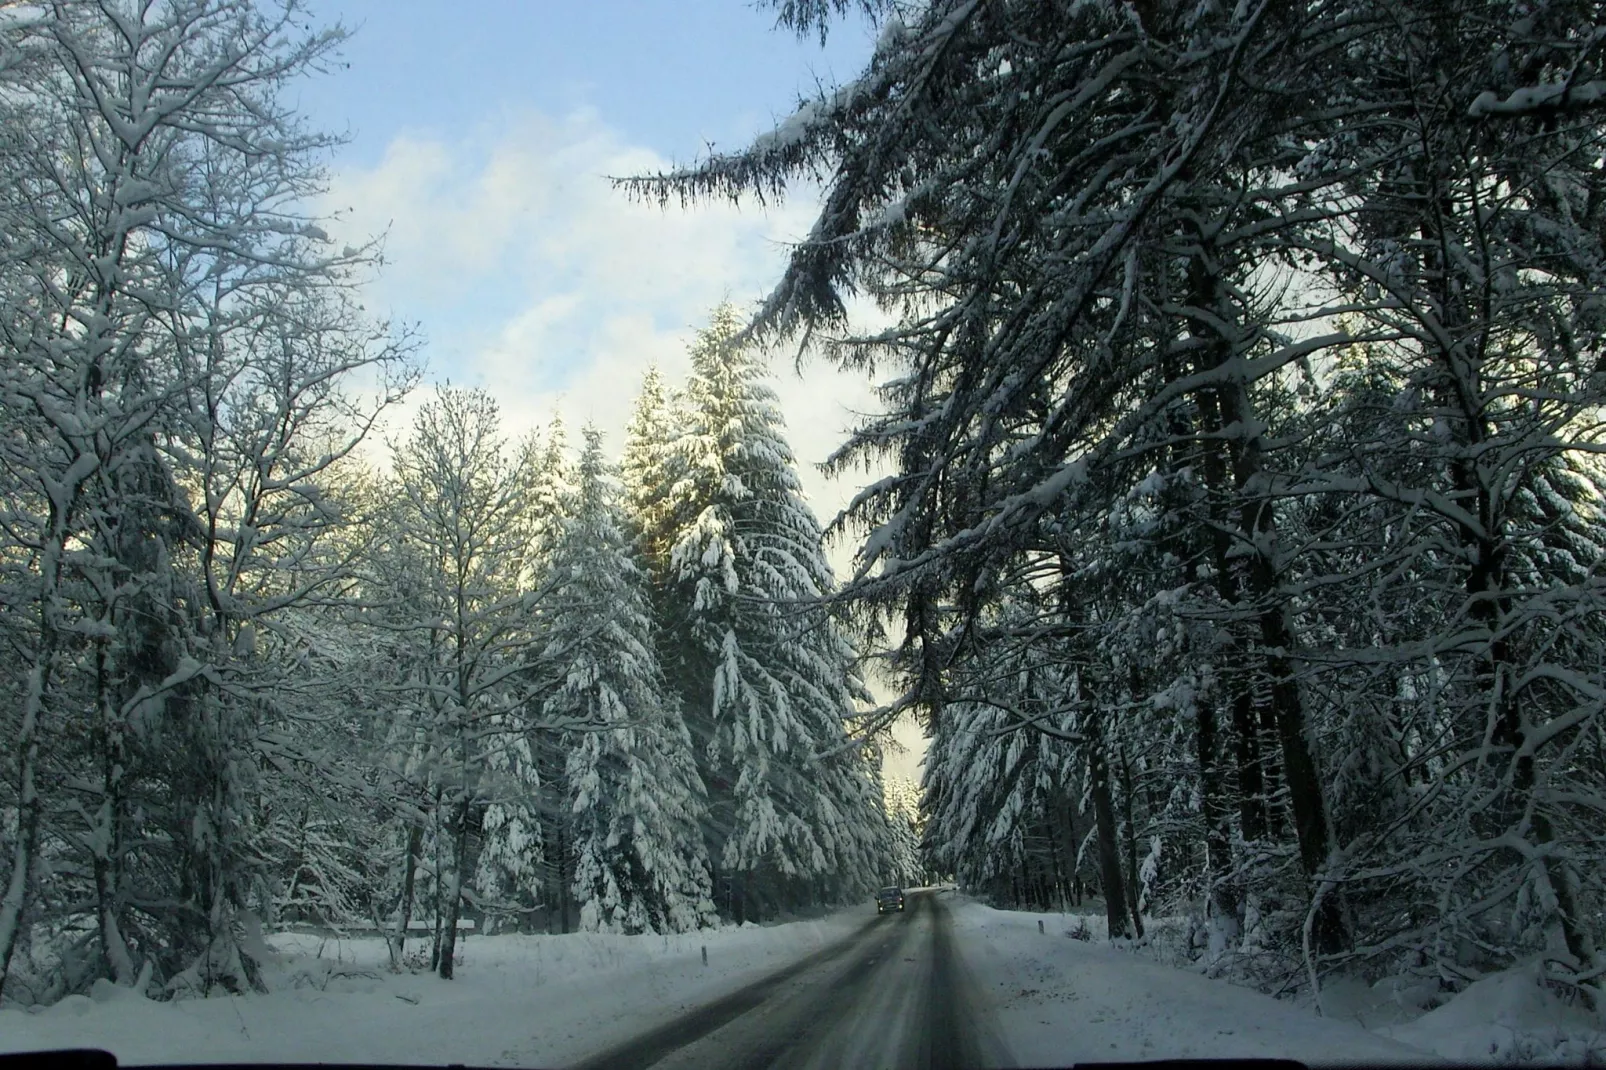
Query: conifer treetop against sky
[[481, 140]]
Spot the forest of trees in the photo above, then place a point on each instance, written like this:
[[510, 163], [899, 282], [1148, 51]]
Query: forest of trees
[[257, 677], [1237, 536], [910, 865], [1241, 538]]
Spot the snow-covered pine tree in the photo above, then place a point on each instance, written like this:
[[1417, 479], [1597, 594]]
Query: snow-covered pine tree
[[632, 786], [649, 470], [908, 865], [649, 473], [766, 676], [527, 853]]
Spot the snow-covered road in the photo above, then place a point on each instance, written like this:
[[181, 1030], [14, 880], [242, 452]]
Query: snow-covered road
[[949, 983], [893, 994], [956, 984]]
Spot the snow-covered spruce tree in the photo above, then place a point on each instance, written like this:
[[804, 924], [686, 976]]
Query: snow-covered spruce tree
[[552, 488], [633, 790], [156, 255], [648, 468], [902, 801], [766, 677]]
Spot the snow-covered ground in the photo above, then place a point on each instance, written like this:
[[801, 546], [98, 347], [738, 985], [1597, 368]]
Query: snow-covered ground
[[1059, 1000], [553, 1000], [517, 1000], [1508, 1018]]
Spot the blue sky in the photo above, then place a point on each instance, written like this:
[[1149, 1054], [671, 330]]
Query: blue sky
[[668, 75], [481, 135]]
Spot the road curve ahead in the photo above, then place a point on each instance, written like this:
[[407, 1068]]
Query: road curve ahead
[[892, 995]]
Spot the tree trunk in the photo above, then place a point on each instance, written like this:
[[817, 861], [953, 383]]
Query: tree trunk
[[1186, 542], [107, 853], [565, 886], [440, 875], [1306, 798], [22, 854], [415, 846], [454, 888], [1236, 679], [23, 850], [1132, 886], [1221, 896], [1257, 530], [1109, 853], [1248, 766], [1067, 845], [1058, 890]]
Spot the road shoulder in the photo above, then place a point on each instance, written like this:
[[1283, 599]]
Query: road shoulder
[[1060, 1001]]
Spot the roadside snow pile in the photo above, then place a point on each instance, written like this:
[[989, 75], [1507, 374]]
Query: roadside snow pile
[[1060, 1000], [1089, 922], [517, 1000], [1508, 1018]]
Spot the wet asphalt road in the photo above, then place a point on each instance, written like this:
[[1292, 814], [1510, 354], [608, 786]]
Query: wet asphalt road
[[892, 995]]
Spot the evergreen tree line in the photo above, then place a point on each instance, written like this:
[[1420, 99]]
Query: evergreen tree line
[[254, 679], [909, 865], [1241, 541]]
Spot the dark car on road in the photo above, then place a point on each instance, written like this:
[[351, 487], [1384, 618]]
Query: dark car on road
[[888, 899]]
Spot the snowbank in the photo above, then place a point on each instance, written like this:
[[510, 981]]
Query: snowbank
[[1060, 1000], [517, 1000], [1508, 1018]]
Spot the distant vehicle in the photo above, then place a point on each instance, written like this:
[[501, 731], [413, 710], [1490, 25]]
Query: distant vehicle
[[888, 899]]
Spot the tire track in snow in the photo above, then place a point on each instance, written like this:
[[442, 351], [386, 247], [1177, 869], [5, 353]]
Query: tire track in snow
[[656, 1044], [893, 994]]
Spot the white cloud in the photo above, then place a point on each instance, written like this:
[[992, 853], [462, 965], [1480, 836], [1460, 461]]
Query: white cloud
[[533, 277]]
